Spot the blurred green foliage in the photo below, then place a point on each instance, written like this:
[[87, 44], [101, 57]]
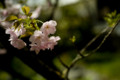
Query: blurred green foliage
[[1, 6], [25, 70], [4, 75]]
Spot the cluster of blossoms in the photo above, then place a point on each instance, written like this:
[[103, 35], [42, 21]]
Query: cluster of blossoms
[[40, 39], [39, 36]]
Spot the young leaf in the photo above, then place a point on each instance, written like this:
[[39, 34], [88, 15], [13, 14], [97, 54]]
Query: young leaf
[[73, 39], [26, 9], [26, 34], [10, 18], [112, 18]]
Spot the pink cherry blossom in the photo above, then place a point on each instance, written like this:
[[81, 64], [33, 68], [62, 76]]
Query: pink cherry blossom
[[17, 43], [49, 27], [14, 34], [37, 37], [40, 41], [52, 42], [35, 48], [20, 30]]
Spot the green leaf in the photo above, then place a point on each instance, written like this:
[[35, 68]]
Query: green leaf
[[114, 13], [10, 18], [26, 34], [73, 39], [26, 9], [112, 18]]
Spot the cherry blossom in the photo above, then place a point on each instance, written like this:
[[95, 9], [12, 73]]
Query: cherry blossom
[[17, 43], [14, 34], [40, 40], [35, 48], [37, 37], [52, 42], [49, 27], [20, 30]]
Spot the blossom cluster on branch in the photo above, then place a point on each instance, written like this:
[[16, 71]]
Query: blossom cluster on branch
[[40, 37], [41, 40]]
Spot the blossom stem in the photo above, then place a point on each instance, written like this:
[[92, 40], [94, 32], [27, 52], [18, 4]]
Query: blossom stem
[[40, 21]]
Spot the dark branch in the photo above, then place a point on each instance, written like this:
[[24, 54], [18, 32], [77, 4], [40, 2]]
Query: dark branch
[[53, 9]]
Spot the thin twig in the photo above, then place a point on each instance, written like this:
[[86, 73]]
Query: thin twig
[[97, 36], [78, 57], [77, 50], [53, 10], [106, 36]]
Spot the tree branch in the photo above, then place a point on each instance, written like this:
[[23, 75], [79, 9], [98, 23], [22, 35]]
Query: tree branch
[[78, 57], [53, 9]]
